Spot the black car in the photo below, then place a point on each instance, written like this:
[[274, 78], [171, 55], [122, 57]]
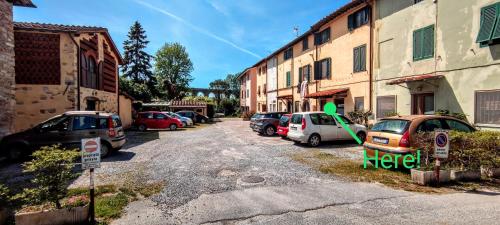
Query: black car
[[267, 123], [196, 117]]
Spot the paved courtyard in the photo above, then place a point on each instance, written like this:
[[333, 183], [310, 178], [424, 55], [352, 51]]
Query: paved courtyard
[[224, 173]]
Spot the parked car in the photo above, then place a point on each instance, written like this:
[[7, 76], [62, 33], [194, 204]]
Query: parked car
[[314, 127], [395, 135], [185, 121], [253, 118], [156, 120], [68, 130], [283, 125], [268, 123], [219, 115], [196, 117]]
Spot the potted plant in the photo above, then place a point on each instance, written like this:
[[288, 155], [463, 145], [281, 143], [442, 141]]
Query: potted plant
[[465, 154], [52, 170], [425, 174]]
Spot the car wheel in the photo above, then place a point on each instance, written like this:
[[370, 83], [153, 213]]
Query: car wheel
[[142, 127], [173, 127], [16, 153], [184, 124], [203, 121], [361, 136], [269, 131], [314, 140], [104, 150]]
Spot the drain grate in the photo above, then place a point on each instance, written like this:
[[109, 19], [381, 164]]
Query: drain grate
[[252, 179]]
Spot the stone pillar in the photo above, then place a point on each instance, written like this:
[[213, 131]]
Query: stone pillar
[[7, 73]]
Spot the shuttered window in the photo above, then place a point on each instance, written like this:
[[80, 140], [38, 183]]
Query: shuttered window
[[490, 24], [288, 54], [487, 107], [322, 37], [305, 44], [358, 19], [423, 43], [386, 105], [359, 59], [322, 69], [288, 79]]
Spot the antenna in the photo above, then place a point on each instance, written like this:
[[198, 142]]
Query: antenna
[[296, 30]]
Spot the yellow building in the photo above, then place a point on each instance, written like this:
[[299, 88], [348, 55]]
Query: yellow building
[[261, 68]]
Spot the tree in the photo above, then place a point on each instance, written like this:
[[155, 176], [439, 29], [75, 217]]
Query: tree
[[139, 91], [173, 71], [219, 86], [234, 85], [137, 66]]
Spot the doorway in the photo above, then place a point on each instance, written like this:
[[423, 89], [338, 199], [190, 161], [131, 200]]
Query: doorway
[[340, 105], [422, 104]]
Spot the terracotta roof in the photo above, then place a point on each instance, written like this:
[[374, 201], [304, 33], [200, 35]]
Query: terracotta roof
[[415, 78], [46, 27], [24, 3], [327, 93], [187, 103]]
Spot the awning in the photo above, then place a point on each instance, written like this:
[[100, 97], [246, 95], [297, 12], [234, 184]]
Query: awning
[[415, 78], [327, 93], [285, 97]]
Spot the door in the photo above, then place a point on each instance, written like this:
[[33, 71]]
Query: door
[[343, 134], [328, 127], [340, 106], [91, 105], [161, 120], [51, 132], [423, 104], [83, 126]]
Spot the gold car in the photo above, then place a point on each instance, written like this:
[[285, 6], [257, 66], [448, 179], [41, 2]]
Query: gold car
[[395, 135]]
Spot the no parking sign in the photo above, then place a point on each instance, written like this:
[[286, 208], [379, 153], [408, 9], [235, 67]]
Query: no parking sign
[[441, 144]]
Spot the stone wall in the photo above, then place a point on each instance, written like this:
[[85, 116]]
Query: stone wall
[[7, 81]]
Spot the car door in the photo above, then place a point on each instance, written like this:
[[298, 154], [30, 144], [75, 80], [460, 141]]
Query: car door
[[161, 120], [328, 127], [83, 126], [430, 125], [148, 119], [343, 134], [51, 132]]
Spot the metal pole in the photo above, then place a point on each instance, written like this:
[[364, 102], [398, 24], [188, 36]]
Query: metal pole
[[92, 195], [438, 165]]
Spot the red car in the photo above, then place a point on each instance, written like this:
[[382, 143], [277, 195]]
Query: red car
[[283, 126], [156, 120]]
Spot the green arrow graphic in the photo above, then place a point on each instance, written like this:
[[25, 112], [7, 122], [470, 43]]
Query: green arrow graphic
[[331, 109]]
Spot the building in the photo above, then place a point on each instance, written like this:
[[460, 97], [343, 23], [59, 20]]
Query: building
[[272, 84], [7, 64], [61, 68], [248, 87], [438, 55], [261, 86]]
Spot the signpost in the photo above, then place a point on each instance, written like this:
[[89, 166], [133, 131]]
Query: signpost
[[91, 158], [441, 149]]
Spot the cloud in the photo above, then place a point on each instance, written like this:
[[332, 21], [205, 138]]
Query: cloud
[[219, 7], [197, 28]]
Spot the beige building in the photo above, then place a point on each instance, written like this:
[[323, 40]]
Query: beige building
[[261, 79], [7, 64], [61, 68], [438, 55], [248, 87]]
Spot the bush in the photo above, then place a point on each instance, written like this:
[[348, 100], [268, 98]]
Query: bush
[[247, 115], [360, 117], [52, 170], [468, 151], [390, 114], [4, 196], [445, 112]]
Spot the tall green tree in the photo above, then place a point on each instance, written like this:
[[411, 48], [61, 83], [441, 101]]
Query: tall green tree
[[137, 63], [234, 85], [173, 71]]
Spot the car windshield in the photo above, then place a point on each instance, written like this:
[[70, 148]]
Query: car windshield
[[284, 121], [296, 119], [391, 126]]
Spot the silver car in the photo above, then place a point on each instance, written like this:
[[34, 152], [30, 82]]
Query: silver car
[[185, 121]]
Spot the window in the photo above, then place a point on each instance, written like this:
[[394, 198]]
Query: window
[[248, 93], [417, 1], [305, 44], [288, 79], [429, 125], [322, 37], [160, 116], [359, 57], [458, 126], [314, 118], [296, 119], [423, 104], [322, 69], [358, 19], [391, 126], [297, 106], [423, 43], [89, 72], [489, 30], [386, 105], [325, 119], [487, 107], [288, 54], [345, 120], [84, 123], [304, 74], [258, 90], [359, 103], [60, 123], [265, 88]]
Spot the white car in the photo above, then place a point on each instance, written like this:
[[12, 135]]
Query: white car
[[314, 127], [185, 121]]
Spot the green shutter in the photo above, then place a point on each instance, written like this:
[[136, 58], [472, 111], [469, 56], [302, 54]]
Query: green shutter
[[355, 57], [362, 58], [417, 44], [489, 16], [300, 75], [308, 73], [288, 80], [428, 42], [328, 68], [496, 32]]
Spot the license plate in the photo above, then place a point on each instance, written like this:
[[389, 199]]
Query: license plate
[[381, 140], [294, 128], [280, 130]]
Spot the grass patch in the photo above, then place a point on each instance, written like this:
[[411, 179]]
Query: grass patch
[[150, 189], [110, 206]]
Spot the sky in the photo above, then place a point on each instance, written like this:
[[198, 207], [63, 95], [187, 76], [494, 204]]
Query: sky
[[221, 36]]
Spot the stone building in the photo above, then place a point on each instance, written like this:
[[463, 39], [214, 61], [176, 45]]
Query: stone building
[[7, 80], [61, 68]]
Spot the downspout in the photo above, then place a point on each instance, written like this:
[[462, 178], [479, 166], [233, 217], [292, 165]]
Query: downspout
[[318, 107], [370, 74], [77, 71]]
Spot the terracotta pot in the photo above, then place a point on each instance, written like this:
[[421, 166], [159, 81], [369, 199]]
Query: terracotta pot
[[428, 177], [465, 175], [77, 215]]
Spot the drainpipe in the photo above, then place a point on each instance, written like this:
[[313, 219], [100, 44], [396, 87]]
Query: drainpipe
[[318, 107], [370, 74], [77, 71]]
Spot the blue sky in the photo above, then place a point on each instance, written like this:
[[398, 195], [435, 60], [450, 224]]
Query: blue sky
[[221, 36]]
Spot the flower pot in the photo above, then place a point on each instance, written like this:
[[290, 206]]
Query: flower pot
[[428, 177], [466, 175], [77, 215], [491, 172]]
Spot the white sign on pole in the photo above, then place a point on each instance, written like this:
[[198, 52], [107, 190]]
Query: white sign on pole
[[441, 144], [91, 153]]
